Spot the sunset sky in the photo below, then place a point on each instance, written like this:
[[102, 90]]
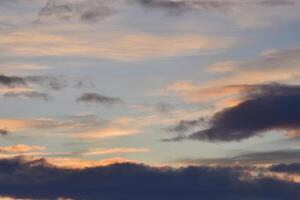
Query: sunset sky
[[90, 83]]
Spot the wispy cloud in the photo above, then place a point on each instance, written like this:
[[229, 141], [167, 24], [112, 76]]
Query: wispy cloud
[[87, 11], [119, 46], [28, 95], [255, 158], [95, 98], [95, 151], [20, 148]]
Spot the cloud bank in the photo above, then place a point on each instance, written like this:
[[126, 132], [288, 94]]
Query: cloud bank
[[38, 179]]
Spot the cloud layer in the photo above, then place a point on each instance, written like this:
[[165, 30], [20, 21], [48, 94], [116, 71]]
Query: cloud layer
[[38, 179]]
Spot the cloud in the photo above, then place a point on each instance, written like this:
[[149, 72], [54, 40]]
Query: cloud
[[95, 98], [184, 5], [76, 163], [186, 125], [264, 108], [28, 95], [223, 6], [255, 158], [25, 178], [292, 168], [266, 68], [20, 148], [226, 90], [107, 132], [123, 46], [87, 11], [91, 152], [4, 132], [48, 82], [12, 81], [87, 127]]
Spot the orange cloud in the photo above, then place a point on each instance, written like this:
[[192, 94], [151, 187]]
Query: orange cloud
[[121, 46], [91, 152], [20, 148], [76, 163], [107, 133]]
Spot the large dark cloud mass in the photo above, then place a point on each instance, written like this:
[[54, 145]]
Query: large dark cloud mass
[[266, 107], [37, 179], [98, 99]]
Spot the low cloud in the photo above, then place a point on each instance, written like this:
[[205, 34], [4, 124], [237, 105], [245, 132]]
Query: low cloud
[[28, 95], [37, 178], [94, 98]]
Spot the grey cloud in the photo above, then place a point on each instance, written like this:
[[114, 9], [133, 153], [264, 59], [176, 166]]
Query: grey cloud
[[88, 11], [98, 99], [183, 5], [28, 95], [12, 81], [51, 82], [186, 125], [222, 6], [277, 2], [271, 157], [48, 82]]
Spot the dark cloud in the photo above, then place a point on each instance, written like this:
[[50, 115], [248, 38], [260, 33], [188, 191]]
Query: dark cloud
[[4, 132], [272, 157], [28, 95], [266, 107], [223, 6], [292, 168], [98, 99], [184, 5], [38, 179], [49, 82], [88, 10], [12, 81]]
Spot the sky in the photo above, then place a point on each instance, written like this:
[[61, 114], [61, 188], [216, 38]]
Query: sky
[[139, 92]]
